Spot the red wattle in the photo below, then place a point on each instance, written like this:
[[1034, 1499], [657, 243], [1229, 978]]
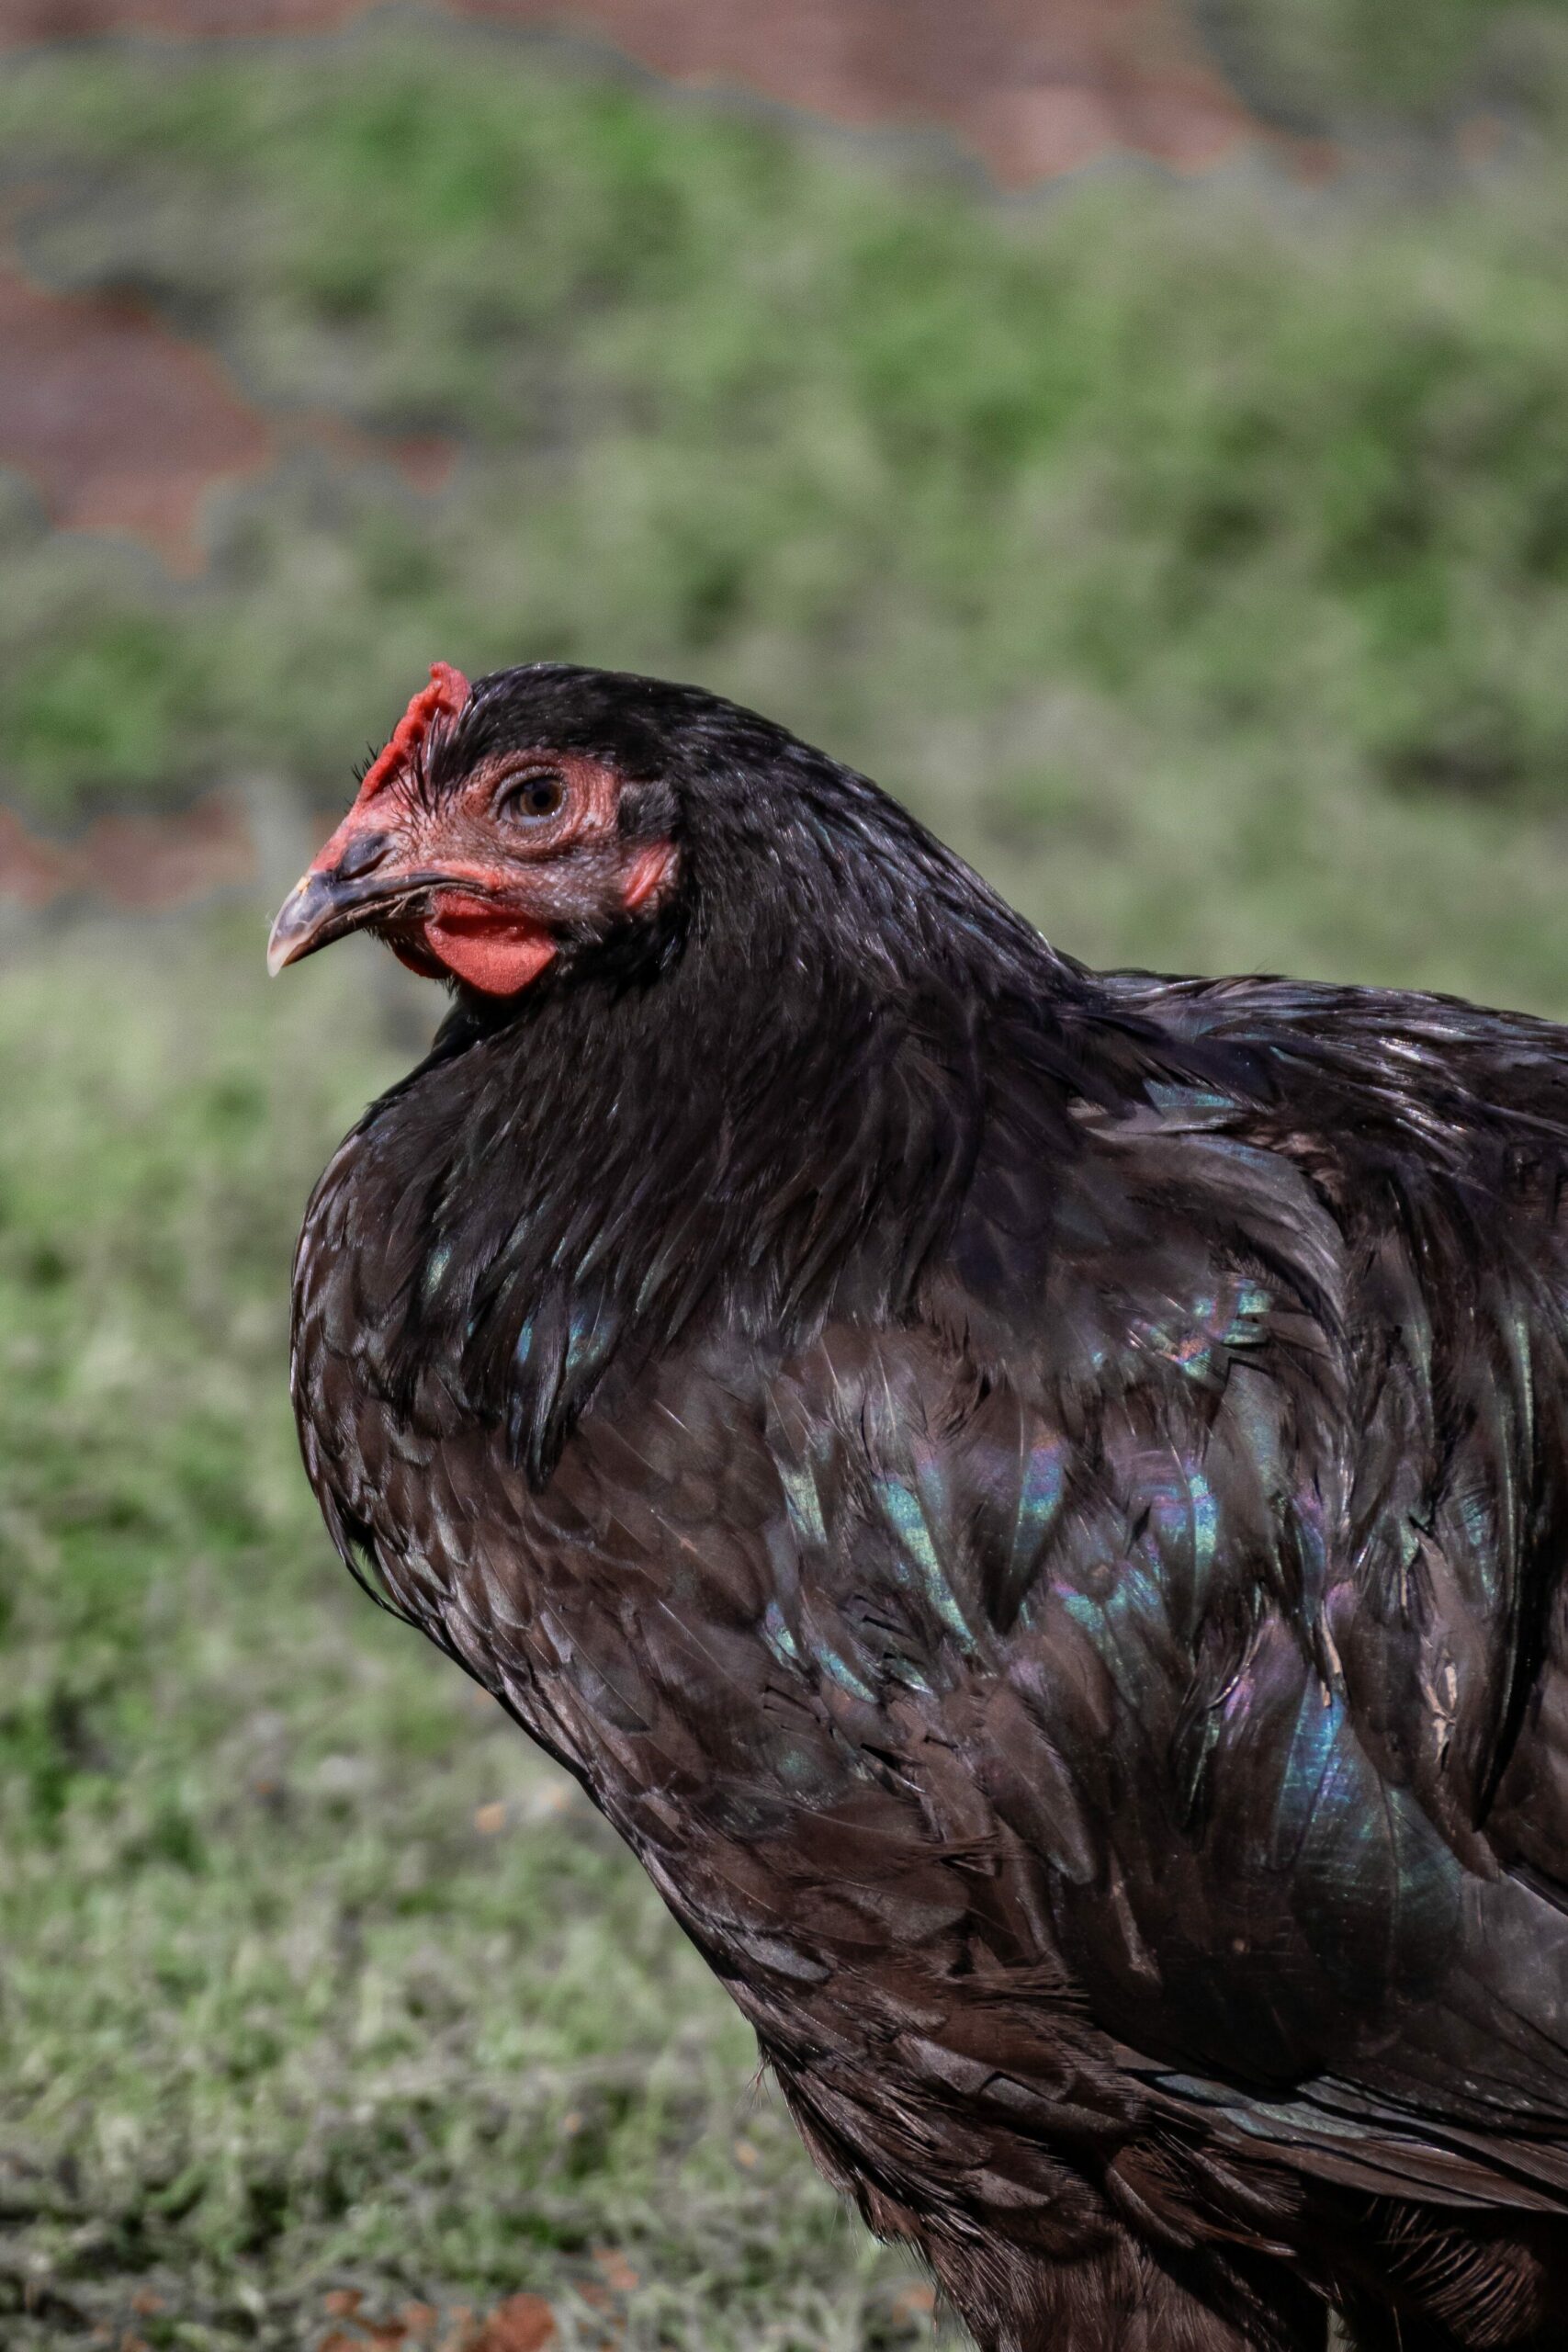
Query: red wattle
[[494, 951]]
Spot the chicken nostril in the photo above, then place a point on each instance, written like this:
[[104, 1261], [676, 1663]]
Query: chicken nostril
[[360, 855]]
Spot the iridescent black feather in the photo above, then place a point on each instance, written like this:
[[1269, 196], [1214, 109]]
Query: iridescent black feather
[[1037, 1503]]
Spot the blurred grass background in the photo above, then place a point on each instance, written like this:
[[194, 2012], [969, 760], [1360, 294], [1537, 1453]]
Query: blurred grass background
[[1194, 556]]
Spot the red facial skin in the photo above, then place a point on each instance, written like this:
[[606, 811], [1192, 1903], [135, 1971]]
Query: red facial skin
[[482, 884]]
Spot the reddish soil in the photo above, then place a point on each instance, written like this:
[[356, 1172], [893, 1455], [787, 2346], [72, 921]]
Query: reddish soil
[[1034, 86], [121, 426], [32, 873], [118, 424], [143, 865], [522, 2323]]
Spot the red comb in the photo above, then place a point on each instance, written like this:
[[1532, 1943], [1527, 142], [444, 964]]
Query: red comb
[[443, 698]]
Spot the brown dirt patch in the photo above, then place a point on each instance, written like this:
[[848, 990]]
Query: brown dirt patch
[[122, 425], [1034, 87], [141, 865], [118, 424]]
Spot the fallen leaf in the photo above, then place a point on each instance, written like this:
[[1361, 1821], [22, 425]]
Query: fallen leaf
[[615, 2270], [917, 2301], [745, 2153], [522, 2323], [488, 1818], [342, 2302], [417, 2319], [550, 1801], [144, 2302]]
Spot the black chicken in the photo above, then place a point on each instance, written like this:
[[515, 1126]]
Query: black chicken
[[1036, 1501]]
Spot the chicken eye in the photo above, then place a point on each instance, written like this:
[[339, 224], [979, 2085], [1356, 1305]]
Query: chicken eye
[[536, 796]]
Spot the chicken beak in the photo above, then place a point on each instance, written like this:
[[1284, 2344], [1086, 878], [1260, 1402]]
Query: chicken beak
[[355, 874], [320, 909]]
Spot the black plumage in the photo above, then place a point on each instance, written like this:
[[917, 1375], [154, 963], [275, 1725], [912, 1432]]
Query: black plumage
[[1034, 1501]]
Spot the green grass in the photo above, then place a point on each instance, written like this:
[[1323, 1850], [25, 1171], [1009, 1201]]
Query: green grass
[[277, 2012]]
